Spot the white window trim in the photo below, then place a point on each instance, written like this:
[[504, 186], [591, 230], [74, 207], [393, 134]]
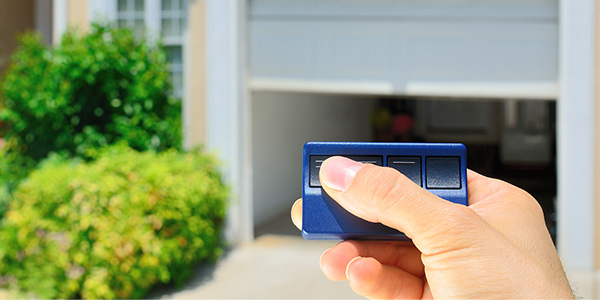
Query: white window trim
[[152, 17], [59, 17], [107, 10]]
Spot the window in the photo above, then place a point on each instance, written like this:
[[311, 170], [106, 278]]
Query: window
[[173, 24], [174, 55], [173, 20], [169, 17], [130, 13]]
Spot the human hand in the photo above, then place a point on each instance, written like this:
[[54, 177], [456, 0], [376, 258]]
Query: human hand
[[497, 247]]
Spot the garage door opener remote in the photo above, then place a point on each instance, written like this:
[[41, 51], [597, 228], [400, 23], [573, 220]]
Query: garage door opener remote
[[437, 167]]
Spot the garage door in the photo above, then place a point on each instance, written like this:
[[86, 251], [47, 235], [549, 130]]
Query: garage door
[[483, 48]]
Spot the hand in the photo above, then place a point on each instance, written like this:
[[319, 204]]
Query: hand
[[497, 247]]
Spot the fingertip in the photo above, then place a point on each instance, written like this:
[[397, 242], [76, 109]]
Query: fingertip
[[335, 260], [326, 267], [329, 266], [296, 213], [337, 172], [351, 265], [372, 279], [362, 272]]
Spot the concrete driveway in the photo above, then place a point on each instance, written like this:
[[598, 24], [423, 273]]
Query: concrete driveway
[[271, 267]]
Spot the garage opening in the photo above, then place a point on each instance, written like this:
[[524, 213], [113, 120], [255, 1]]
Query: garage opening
[[509, 139]]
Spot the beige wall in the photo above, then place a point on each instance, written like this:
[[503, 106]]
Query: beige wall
[[196, 72], [597, 141], [77, 14], [15, 17]]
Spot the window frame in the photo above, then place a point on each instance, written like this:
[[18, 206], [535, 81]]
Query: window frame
[[153, 16]]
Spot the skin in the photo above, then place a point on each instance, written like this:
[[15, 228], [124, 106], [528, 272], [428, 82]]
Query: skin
[[497, 247]]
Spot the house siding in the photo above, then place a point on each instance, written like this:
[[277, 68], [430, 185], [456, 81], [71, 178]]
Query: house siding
[[597, 145], [77, 14], [194, 76]]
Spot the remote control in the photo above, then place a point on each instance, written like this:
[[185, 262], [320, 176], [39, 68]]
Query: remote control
[[437, 167]]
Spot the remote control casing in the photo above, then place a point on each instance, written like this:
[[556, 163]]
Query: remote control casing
[[440, 168]]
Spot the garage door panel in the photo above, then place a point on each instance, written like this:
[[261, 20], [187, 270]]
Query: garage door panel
[[393, 56], [286, 50]]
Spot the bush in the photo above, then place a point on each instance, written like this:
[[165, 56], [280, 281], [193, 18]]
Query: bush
[[13, 168], [90, 91], [112, 227]]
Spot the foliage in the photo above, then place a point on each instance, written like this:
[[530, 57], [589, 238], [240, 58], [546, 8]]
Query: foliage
[[89, 91], [113, 227], [13, 168]]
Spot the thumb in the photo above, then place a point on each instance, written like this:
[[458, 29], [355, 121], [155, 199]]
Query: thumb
[[384, 195]]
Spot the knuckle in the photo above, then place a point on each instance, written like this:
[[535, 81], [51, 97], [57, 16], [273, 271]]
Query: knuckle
[[532, 206], [521, 199]]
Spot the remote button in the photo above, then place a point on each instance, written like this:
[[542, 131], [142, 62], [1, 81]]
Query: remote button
[[442, 172], [374, 160], [317, 160], [410, 166], [315, 167]]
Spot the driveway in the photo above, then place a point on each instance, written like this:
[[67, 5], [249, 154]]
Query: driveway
[[274, 266]]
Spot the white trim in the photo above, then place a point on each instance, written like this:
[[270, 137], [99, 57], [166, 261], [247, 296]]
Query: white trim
[[173, 41], [321, 86], [152, 19], [228, 109], [521, 90], [59, 18], [186, 54], [575, 134], [152, 14]]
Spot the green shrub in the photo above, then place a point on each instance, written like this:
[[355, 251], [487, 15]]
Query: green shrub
[[113, 227], [89, 91], [13, 168]]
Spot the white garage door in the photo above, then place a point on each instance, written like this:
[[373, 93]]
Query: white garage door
[[480, 48]]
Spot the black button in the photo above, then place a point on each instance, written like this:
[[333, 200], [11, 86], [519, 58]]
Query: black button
[[410, 166], [315, 166], [317, 160], [374, 160], [442, 172]]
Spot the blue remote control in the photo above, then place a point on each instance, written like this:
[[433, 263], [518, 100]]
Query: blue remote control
[[438, 168]]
